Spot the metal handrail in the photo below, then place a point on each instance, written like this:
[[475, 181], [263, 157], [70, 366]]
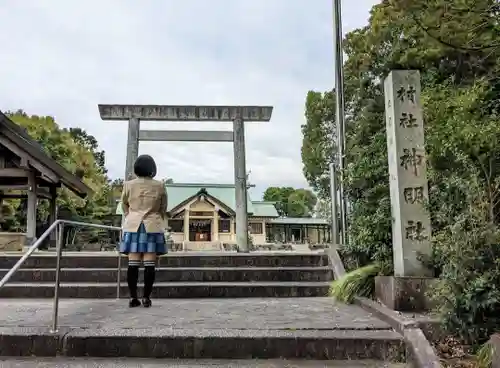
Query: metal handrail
[[60, 239]]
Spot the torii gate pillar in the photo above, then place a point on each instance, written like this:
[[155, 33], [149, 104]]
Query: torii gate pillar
[[132, 146]]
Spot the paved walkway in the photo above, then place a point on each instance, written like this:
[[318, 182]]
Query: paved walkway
[[210, 314]]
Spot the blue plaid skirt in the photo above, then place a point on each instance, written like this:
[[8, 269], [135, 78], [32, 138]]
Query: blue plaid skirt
[[143, 242]]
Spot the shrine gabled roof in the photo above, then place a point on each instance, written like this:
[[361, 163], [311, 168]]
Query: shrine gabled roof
[[224, 193]]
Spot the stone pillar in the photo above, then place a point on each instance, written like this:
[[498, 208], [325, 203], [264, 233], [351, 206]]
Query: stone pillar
[[31, 210], [240, 181], [411, 227], [132, 147], [407, 173], [186, 225], [215, 226]]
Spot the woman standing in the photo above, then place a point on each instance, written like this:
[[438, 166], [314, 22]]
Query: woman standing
[[144, 202]]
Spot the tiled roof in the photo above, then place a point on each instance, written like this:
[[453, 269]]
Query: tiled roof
[[264, 209], [299, 221]]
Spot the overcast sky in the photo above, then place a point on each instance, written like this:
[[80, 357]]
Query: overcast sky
[[63, 57]]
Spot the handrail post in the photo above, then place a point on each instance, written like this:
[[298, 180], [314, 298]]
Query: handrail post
[[119, 270], [60, 242]]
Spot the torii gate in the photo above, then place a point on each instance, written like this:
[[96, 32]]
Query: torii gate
[[237, 114]]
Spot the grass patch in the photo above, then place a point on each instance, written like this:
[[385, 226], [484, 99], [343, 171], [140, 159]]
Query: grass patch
[[485, 356], [360, 282]]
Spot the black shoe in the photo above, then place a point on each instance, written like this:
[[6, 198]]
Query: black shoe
[[146, 302], [134, 303]]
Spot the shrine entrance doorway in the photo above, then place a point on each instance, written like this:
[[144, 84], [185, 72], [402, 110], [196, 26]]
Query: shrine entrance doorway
[[200, 230]]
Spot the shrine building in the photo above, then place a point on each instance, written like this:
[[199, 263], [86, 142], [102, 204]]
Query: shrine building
[[206, 213]]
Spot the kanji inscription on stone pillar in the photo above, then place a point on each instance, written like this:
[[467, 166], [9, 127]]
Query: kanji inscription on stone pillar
[[411, 227]]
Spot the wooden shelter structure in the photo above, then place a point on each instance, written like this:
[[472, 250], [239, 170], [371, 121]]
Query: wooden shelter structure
[[27, 169]]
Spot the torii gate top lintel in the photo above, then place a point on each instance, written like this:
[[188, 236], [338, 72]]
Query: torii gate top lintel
[[185, 112]]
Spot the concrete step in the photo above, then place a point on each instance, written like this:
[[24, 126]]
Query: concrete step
[[65, 362], [179, 274], [199, 246], [170, 290], [381, 345], [212, 259], [253, 328]]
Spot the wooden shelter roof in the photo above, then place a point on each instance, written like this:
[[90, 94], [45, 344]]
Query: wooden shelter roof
[[15, 139]]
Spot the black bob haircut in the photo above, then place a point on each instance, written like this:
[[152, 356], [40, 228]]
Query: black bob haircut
[[145, 167]]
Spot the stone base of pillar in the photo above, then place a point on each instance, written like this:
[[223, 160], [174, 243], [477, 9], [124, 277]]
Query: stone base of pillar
[[404, 293]]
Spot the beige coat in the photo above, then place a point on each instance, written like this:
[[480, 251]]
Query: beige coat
[[144, 200]]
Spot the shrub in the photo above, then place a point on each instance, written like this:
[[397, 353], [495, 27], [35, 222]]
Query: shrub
[[468, 291]]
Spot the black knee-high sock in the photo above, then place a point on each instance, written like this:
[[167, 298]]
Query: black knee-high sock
[[149, 277], [132, 277]]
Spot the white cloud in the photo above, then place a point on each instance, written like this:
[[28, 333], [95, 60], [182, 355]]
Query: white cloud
[[62, 58]]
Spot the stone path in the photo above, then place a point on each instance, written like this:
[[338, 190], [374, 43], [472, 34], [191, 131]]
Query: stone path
[[157, 363], [211, 314]]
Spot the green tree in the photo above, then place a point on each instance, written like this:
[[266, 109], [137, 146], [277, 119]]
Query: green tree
[[455, 46], [465, 197], [291, 202], [318, 140], [90, 142], [67, 148], [279, 195], [301, 203], [323, 209]]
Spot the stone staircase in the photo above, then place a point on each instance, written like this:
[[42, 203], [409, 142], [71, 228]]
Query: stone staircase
[[63, 362], [212, 310], [202, 246], [188, 275]]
